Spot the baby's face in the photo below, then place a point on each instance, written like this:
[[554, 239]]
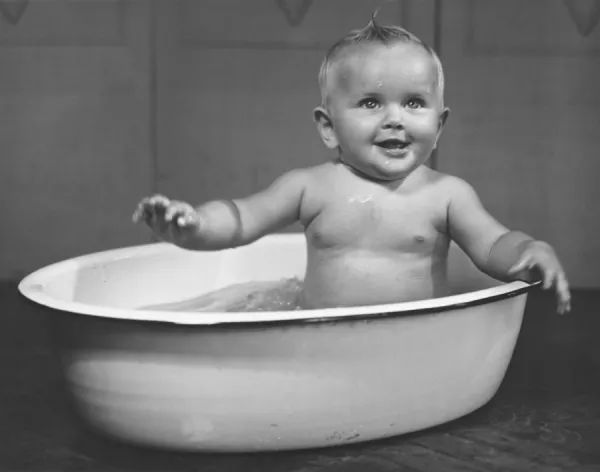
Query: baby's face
[[386, 109]]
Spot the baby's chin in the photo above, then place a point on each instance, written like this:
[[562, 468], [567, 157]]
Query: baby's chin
[[390, 171], [378, 175], [381, 172]]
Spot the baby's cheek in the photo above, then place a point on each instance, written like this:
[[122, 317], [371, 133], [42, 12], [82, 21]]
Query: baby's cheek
[[354, 128], [425, 130]]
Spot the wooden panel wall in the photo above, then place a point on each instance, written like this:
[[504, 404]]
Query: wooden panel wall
[[104, 101], [74, 132], [522, 81]]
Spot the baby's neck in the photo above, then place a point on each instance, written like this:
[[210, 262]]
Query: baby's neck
[[389, 184]]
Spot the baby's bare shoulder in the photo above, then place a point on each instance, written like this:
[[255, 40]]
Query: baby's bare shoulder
[[300, 179], [305, 180], [313, 177], [307, 173], [450, 186]]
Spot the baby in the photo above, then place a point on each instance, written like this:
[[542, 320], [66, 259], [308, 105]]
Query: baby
[[377, 221]]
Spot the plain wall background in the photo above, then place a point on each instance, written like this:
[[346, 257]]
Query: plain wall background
[[105, 101]]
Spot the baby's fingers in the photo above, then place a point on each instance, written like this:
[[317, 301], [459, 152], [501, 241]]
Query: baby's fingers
[[181, 214], [548, 277], [143, 211], [187, 220], [563, 293], [159, 202], [149, 208], [139, 213], [523, 264], [564, 307], [173, 210], [183, 224]]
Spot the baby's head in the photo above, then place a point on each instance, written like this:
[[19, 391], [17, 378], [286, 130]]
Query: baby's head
[[372, 34], [382, 104]]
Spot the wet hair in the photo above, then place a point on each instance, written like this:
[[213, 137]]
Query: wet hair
[[373, 33]]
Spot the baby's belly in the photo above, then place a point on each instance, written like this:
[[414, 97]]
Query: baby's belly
[[371, 279]]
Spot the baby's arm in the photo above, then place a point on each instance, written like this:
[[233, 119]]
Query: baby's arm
[[503, 254], [477, 232], [490, 245], [222, 224], [272, 209]]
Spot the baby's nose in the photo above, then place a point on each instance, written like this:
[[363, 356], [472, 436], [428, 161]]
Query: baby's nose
[[393, 117]]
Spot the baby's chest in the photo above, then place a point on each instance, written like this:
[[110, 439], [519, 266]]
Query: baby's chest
[[364, 222]]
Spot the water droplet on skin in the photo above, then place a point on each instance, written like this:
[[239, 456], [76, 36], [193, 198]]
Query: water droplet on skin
[[360, 198]]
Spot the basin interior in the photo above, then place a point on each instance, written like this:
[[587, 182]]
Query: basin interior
[[138, 276]]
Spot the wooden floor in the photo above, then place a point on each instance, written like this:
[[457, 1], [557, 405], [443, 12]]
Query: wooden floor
[[546, 416]]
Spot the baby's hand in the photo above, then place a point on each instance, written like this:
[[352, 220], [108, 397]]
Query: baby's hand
[[172, 221], [541, 257]]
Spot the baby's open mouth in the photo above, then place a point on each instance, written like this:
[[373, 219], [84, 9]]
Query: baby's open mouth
[[392, 144]]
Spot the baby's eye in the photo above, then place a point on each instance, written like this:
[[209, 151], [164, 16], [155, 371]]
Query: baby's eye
[[369, 103], [415, 103]]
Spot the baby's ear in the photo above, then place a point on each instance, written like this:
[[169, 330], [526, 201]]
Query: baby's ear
[[325, 127], [443, 117], [441, 122]]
